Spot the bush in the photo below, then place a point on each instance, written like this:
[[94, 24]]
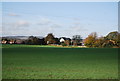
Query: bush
[[63, 44]]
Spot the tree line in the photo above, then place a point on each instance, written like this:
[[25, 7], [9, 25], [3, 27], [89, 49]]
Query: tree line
[[110, 40]]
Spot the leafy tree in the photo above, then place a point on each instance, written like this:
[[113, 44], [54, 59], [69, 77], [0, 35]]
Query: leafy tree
[[99, 42], [90, 40], [56, 41], [50, 39], [111, 40], [42, 42], [108, 44], [114, 37], [33, 40], [67, 42]]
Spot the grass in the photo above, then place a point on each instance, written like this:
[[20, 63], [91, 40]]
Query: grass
[[22, 45], [42, 62]]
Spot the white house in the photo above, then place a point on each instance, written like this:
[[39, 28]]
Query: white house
[[3, 42], [62, 40]]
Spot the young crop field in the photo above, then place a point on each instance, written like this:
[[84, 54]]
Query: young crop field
[[42, 62]]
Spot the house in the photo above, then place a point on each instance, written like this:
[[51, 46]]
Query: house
[[65, 40], [11, 42], [4, 42], [62, 40]]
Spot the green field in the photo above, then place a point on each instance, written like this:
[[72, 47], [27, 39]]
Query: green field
[[42, 62]]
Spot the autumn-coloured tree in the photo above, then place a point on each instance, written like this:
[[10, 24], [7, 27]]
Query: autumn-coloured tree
[[108, 44], [99, 42], [67, 42], [114, 37], [90, 40], [111, 40]]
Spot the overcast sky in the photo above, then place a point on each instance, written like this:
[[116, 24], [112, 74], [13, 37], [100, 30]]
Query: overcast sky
[[60, 18]]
